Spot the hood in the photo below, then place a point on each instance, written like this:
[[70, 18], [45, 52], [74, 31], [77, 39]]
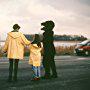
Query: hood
[[14, 34], [35, 45]]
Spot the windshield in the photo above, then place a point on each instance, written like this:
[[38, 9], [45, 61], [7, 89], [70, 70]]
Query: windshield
[[84, 42]]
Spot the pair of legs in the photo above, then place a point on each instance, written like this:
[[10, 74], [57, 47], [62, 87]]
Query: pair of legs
[[13, 68], [49, 65], [36, 71]]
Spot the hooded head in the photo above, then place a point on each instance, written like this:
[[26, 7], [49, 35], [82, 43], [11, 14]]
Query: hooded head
[[47, 25]]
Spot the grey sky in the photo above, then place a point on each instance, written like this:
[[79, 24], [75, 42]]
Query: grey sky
[[70, 16]]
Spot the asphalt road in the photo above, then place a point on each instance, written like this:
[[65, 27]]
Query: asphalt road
[[73, 74]]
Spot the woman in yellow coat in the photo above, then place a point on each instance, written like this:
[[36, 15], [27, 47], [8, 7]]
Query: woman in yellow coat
[[14, 46], [35, 57]]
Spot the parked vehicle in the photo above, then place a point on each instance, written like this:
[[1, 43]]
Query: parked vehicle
[[83, 48]]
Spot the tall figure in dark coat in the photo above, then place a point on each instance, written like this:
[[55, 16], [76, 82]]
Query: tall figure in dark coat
[[49, 49]]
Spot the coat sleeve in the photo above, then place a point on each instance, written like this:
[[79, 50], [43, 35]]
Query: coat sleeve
[[25, 41], [5, 47]]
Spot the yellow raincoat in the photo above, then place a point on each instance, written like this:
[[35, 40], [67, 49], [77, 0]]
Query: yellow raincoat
[[35, 55], [14, 45]]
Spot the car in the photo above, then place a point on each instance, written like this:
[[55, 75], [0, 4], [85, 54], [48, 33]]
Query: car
[[83, 48]]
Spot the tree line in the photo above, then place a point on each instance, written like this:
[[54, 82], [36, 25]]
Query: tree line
[[60, 37]]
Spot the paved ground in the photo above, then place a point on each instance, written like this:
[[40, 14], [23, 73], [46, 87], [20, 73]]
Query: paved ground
[[73, 72]]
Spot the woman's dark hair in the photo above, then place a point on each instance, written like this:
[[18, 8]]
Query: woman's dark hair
[[37, 40], [16, 26]]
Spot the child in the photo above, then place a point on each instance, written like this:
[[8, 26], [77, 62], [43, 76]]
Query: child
[[35, 57]]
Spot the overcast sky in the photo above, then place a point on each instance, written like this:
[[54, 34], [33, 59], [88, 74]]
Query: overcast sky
[[70, 16]]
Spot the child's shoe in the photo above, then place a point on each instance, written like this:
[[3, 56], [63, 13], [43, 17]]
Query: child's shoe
[[35, 79]]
